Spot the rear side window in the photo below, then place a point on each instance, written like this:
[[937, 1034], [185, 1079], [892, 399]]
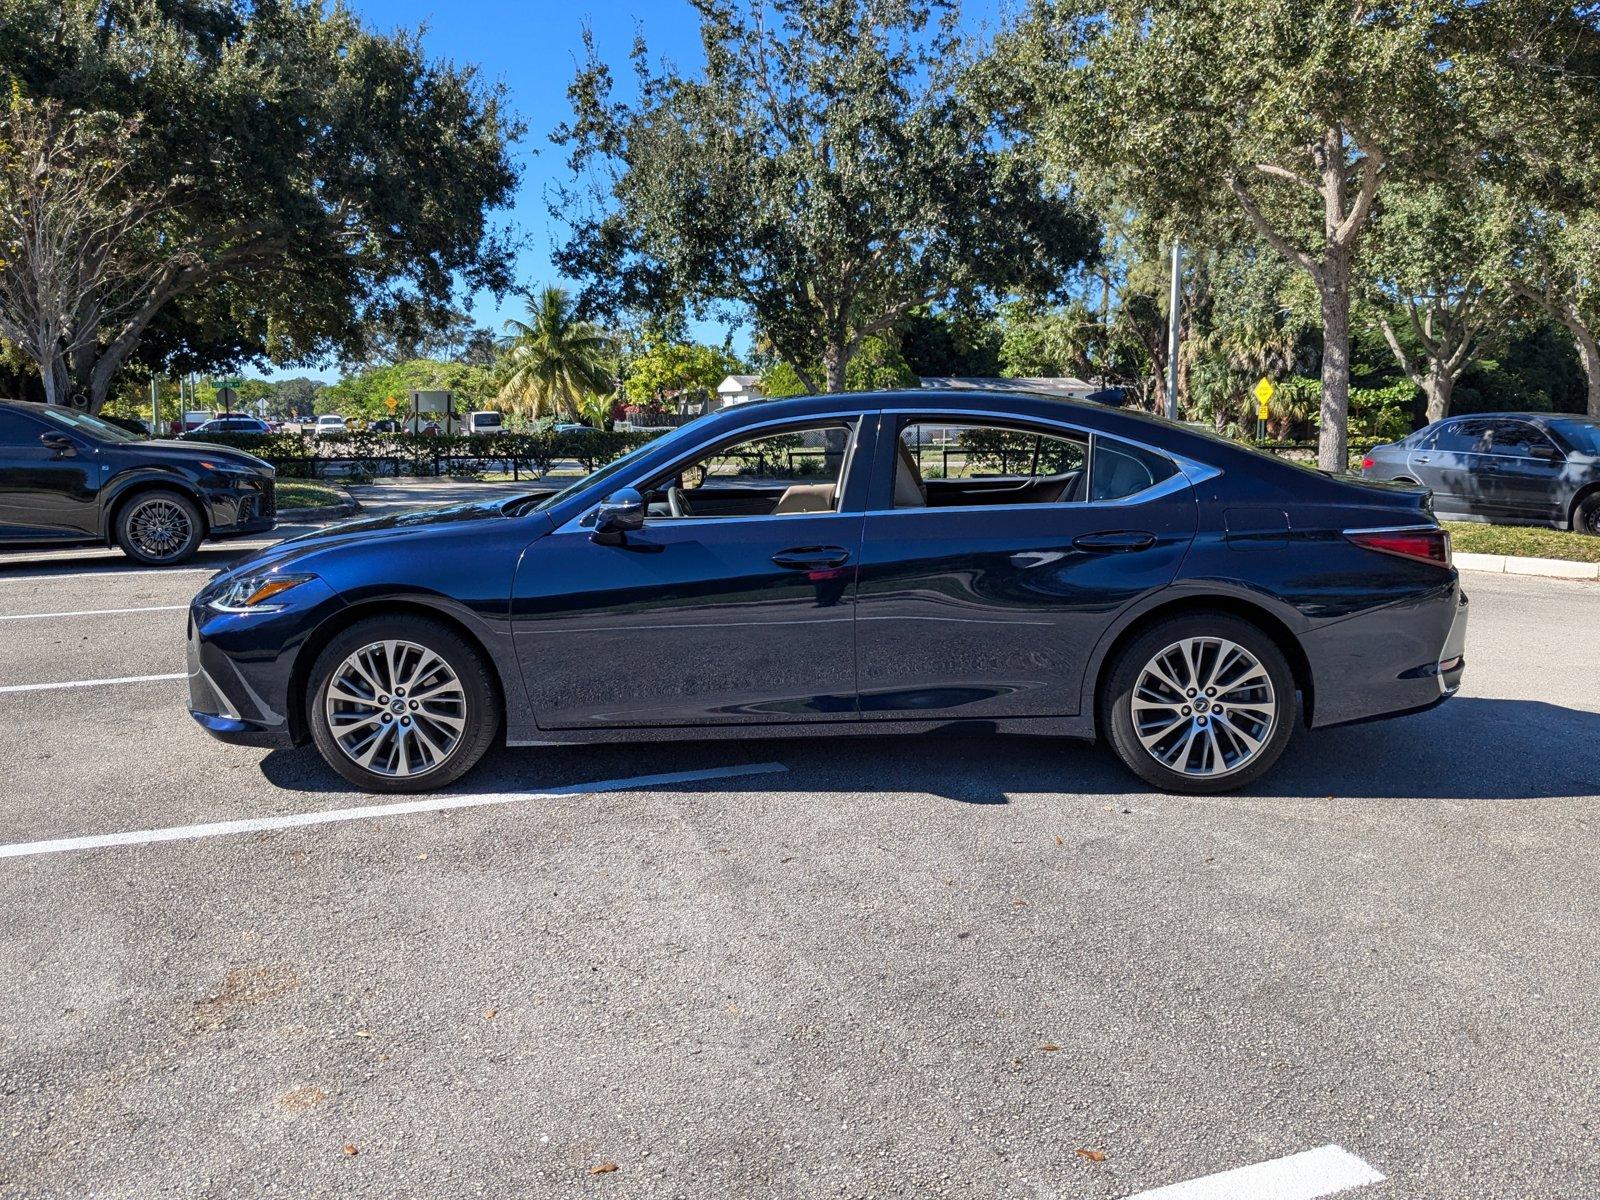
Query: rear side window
[[1118, 470]]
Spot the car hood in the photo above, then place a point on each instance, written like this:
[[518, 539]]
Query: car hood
[[413, 523], [198, 452]]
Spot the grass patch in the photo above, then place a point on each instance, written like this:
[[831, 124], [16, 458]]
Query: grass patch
[[302, 493], [1469, 537]]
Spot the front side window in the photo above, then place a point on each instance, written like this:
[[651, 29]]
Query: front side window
[[798, 470], [82, 423], [18, 430], [943, 465], [1519, 438]]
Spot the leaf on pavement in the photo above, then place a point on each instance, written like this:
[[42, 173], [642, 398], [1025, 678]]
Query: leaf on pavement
[[1049, 1048], [349, 1149], [1092, 1155], [603, 1169]]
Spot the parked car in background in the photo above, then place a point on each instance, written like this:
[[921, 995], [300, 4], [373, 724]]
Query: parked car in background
[[231, 424], [67, 477], [1508, 468], [386, 425], [484, 422], [787, 568], [572, 427], [195, 418], [329, 423]]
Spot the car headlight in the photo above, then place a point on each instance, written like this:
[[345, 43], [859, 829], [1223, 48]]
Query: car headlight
[[254, 593]]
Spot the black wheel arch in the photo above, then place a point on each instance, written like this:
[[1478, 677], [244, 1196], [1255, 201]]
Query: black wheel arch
[[1588, 491], [1276, 626], [344, 618]]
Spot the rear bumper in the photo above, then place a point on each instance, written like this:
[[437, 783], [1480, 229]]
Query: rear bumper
[[1401, 659]]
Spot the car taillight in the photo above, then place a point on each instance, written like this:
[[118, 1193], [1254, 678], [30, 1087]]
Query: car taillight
[[1367, 464], [1427, 544]]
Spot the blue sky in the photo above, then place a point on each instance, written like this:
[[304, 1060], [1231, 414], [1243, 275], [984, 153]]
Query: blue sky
[[533, 48]]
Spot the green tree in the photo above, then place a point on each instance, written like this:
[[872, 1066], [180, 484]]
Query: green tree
[[671, 369], [1288, 118], [824, 174], [551, 361], [314, 175]]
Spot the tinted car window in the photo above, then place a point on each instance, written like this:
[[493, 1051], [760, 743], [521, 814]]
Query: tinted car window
[[18, 429], [1582, 436], [1119, 470], [1516, 437], [83, 423], [1460, 437]]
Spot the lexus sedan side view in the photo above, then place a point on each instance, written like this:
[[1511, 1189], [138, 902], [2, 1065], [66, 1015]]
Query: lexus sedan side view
[[1509, 468], [69, 478], [885, 562]]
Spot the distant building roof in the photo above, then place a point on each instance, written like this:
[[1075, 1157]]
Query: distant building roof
[[740, 383], [1064, 386]]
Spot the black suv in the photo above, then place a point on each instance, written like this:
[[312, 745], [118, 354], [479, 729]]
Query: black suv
[[67, 477]]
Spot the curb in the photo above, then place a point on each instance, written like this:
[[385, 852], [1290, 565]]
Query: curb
[[327, 512], [1511, 564]]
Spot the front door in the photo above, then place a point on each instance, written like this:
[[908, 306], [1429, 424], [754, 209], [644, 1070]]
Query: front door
[[990, 569], [735, 604], [46, 494]]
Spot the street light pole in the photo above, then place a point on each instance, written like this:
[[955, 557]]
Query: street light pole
[[155, 408], [1173, 303]]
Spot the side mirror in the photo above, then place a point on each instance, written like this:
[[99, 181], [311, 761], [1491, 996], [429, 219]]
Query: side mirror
[[619, 514], [63, 446], [1545, 453]]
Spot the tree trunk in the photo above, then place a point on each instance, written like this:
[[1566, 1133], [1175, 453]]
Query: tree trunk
[[834, 361], [1333, 438], [57, 382], [1439, 386], [1589, 356]]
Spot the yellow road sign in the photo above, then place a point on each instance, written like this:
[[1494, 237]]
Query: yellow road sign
[[1264, 392], [392, 403]]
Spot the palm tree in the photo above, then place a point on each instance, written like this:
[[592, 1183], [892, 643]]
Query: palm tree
[[552, 360]]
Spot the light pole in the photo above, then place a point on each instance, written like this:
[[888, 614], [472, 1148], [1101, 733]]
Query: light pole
[[1173, 303]]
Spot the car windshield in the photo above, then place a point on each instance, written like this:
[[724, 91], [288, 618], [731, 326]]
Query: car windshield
[[614, 467], [1582, 436], [83, 423]]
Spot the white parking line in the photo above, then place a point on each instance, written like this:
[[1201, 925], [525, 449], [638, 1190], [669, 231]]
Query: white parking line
[[83, 683], [42, 571], [1321, 1172], [178, 833], [93, 612]]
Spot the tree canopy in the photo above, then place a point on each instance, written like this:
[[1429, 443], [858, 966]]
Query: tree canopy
[[314, 175], [824, 174]]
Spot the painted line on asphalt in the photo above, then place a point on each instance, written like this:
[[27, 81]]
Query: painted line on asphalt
[[83, 683], [1324, 1171], [93, 612], [43, 571], [179, 833]]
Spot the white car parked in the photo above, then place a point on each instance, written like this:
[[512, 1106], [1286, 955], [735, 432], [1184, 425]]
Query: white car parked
[[329, 423]]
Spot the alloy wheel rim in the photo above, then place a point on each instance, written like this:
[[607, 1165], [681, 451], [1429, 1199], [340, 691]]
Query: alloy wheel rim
[[396, 708], [1204, 707], [160, 528]]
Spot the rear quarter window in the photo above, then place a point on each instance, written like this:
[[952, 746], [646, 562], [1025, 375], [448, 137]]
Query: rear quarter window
[[1118, 470]]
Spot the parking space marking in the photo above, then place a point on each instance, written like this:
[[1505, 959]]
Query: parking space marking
[[1324, 1171], [93, 612], [83, 683], [43, 571], [178, 833]]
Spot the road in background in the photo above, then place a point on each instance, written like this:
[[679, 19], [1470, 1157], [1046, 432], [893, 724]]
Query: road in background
[[933, 965]]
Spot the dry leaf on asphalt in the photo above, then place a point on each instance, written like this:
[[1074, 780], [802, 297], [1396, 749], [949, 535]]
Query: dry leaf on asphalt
[[488, 1014], [1092, 1155], [349, 1149], [603, 1169]]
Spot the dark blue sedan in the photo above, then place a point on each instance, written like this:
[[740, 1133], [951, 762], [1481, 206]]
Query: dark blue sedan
[[885, 562]]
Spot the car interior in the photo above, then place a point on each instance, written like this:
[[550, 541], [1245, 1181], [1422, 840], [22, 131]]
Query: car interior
[[797, 471]]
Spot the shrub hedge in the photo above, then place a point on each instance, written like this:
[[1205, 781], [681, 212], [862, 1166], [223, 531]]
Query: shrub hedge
[[365, 452]]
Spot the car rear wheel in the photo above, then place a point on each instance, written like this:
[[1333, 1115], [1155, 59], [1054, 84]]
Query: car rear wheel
[[1586, 517], [159, 529], [1200, 703], [401, 704]]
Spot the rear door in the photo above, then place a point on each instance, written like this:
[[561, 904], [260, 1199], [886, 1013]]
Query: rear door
[[986, 580], [1447, 463]]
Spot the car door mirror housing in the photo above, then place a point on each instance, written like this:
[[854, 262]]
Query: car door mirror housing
[[63, 446], [619, 514], [1545, 453]]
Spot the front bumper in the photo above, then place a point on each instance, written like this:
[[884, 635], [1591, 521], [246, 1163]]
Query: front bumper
[[247, 504], [241, 668]]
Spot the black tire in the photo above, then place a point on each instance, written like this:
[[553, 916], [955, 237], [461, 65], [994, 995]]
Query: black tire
[[1123, 677], [1586, 517], [479, 706], [159, 528]]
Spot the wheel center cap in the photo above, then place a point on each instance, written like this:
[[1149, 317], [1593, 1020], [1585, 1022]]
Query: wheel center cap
[[1201, 704], [397, 706]]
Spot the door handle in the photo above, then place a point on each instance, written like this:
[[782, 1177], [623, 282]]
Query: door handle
[[1115, 543], [812, 558], [1421, 458]]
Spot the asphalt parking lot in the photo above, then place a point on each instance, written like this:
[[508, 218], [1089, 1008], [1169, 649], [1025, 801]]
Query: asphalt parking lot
[[857, 967]]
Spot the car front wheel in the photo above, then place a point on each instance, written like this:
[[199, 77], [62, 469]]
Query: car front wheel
[[1586, 518], [159, 529], [1200, 703], [401, 704]]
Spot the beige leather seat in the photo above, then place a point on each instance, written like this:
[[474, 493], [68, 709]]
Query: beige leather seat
[[806, 498], [909, 490]]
